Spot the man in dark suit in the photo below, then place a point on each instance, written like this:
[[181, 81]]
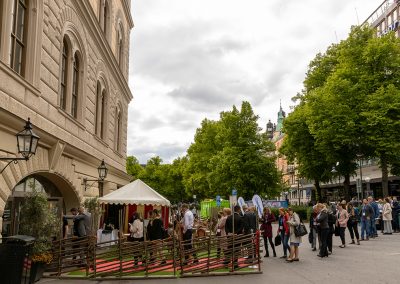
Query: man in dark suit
[[233, 227], [250, 227]]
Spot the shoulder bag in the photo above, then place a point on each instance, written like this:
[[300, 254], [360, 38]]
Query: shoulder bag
[[300, 230]]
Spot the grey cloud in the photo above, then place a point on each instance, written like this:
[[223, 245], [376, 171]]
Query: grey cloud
[[189, 53], [168, 152], [216, 98], [152, 122], [225, 45]]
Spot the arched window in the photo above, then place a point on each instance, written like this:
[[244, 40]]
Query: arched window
[[75, 87], [101, 110], [71, 77], [120, 46], [1, 21], [105, 16], [118, 127], [97, 109], [64, 75], [18, 35], [103, 114]]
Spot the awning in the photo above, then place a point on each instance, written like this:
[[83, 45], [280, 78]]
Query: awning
[[136, 192]]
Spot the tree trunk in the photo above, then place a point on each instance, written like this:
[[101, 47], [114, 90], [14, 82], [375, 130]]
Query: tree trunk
[[385, 174], [346, 186], [318, 189], [314, 196]]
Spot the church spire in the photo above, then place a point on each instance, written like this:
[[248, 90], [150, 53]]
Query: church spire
[[281, 117]]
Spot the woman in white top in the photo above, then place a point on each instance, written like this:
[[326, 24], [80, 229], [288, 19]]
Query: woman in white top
[[136, 229], [387, 217]]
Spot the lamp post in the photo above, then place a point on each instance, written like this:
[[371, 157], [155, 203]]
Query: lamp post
[[298, 189], [103, 171], [367, 192], [27, 142], [286, 197], [360, 189]]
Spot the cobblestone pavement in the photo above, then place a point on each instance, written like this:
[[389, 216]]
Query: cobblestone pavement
[[375, 261]]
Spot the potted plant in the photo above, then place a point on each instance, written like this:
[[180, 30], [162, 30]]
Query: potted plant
[[94, 208], [39, 220]]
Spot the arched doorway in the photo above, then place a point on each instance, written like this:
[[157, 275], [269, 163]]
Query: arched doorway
[[60, 196]]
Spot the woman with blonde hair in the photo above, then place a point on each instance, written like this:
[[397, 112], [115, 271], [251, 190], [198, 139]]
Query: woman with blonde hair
[[294, 221], [322, 219], [387, 217], [342, 217]]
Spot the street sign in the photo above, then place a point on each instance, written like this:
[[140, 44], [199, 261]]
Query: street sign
[[233, 200], [234, 191], [218, 199]]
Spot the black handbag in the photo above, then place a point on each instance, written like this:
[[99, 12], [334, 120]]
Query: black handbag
[[278, 240], [300, 230], [310, 237]]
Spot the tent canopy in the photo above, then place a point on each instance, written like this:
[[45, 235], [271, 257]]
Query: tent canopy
[[136, 192]]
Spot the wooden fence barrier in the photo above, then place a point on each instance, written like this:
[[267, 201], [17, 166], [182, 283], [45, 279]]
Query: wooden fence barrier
[[169, 258]]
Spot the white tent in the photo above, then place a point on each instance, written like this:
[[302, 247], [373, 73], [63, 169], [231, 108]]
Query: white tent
[[136, 192]]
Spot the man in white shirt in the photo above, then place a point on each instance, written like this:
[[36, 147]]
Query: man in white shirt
[[188, 220], [136, 229]]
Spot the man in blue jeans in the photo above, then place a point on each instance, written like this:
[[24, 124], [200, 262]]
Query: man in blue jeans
[[375, 207], [367, 213]]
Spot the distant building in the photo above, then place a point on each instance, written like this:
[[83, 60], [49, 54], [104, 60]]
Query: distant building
[[386, 18], [297, 190], [63, 64]]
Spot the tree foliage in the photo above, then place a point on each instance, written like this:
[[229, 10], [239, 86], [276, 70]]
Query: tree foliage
[[166, 179], [39, 220], [349, 106], [133, 167], [231, 153]]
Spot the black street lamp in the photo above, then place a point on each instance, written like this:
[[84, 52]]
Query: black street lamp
[[27, 142], [103, 171]]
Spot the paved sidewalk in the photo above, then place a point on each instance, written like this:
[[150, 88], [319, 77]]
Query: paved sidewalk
[[376, 261]]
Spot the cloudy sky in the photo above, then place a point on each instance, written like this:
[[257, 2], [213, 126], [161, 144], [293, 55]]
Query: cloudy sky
[[192, 59]]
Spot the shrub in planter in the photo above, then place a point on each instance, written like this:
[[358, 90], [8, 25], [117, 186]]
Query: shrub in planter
[[39, 220]]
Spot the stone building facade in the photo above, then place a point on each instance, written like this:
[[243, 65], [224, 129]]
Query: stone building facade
[[63, 64]]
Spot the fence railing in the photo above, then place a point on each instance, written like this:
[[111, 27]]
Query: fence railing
[[203, 256]]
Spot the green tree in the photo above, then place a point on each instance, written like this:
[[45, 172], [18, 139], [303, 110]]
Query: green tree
[[133, 167], [339, 90], [382, 122], [166, 179], [299, 148], [198, 167], [232, 153]]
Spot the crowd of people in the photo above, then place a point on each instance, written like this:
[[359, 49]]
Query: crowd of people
[[331, 220], [326, 221]]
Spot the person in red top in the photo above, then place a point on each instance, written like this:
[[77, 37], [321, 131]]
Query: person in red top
[[283, 230], [266, 227]]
